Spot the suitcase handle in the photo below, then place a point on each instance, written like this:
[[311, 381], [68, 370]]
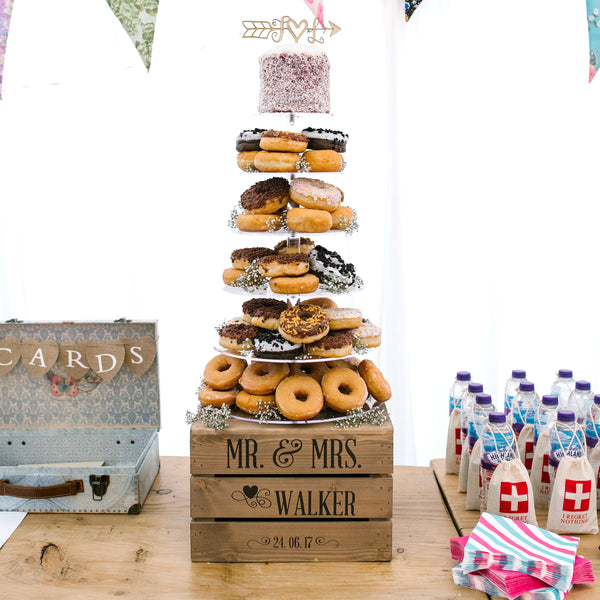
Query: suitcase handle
[[68, 488]]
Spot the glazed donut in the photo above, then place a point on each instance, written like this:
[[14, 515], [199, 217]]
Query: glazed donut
[[230, 275], [266, 197], [316, 370], [251, 403], [243, 257], [307, 220], [328, 265], [325, 139], [222, 372], [303, 324], [304, 284], [216, 398], [336, 344], [322, 302], [250, 222], [343, 318], [247, 140], [342, 217], [376, 383], [313, 193], [283, 141], [299, 398], [368, 334], [320, 161], [262, 378], [237, 336], [245, 161], [276, 162], [281, 265], [263, 312], [346, 363], [343, 389], [294, 245], [269, 344]]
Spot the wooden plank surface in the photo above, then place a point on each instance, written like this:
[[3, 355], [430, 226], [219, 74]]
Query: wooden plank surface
[[148, 555], [467, 519]]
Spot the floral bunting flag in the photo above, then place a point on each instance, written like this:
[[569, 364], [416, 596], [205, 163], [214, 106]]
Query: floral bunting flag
[[409, 8], [138, 18], [593, 13], [5, 13], [317, 7]]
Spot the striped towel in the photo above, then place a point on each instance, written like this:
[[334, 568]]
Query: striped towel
[[501, 543], [479, 581]]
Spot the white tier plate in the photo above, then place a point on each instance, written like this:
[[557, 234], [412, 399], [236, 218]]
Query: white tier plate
[[251, 356], [286, 233], [269, 294]]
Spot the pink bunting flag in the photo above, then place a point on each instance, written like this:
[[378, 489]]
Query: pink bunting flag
[[317, 7], [5, 13]]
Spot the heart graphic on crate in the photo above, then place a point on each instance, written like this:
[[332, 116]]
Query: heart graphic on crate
[[105, 359], [38, 357], [250, 490], [73, 358], [10, 352], [139, 354]]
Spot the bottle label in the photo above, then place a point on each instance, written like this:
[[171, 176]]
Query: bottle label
[[565, 443]]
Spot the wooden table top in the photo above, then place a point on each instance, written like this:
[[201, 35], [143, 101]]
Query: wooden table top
[[465, 521], [89, 556]]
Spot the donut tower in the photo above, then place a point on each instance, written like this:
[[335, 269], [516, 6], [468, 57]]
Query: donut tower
[[294, 353]]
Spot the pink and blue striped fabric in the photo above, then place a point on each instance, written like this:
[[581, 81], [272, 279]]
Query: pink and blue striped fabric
[[501, 543]]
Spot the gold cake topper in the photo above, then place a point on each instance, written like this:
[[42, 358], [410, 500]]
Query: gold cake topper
[[275, 30]]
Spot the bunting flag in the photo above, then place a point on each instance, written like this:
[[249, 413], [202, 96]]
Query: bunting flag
[[5, 13], [409, 7], [593, 17], [317, 7], [138, 18]]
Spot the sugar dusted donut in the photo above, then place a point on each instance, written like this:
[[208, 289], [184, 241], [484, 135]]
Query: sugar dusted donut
[[248, 140], [231, 275], [299, 397], [368, 334], [263, 312], [243, 257], [252, 223], [266, 197], [376, 383], [280, 265], [343, 389], [341, 218], [276, 162], [222, 372], [320, 161], [307, 220], [303, 324], [304, 284], [216, 398], [262, 378], [295, 245], [313, 193], [283, 141], [343, 318], [237, 336], [245, 161], [336, 344], [322, 302], [251, 403], [316, 370]]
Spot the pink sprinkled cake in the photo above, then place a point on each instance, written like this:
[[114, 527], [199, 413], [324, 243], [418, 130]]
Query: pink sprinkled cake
[[294, 78]]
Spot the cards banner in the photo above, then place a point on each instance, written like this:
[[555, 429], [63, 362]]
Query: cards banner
[[5, 13], [138, 18], [409, 8], [593, 17], [317, 7]]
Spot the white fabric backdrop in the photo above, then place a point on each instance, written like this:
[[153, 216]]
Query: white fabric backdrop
[[471, 163]]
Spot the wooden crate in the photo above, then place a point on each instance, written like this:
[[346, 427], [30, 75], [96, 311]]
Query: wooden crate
[[291, 493]]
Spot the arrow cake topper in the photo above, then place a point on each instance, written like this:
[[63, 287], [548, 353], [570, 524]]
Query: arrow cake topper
[[277, 28]]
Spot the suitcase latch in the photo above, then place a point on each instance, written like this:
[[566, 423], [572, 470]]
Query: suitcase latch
[[99, 485]]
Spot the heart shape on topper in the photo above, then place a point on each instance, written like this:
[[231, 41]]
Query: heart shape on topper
[[250, 491], [139, 354], [72, 357], [105, 359], [38, 357], [297, 26], [10, 352]]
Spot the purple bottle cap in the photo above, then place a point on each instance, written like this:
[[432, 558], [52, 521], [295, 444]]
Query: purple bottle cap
[[527, 386], [565, 373], [463, 376], [497, 417], [566, 416], [475, 388], [582, 385], [483, 399], [519, 374], [550, 400], [597, 399]]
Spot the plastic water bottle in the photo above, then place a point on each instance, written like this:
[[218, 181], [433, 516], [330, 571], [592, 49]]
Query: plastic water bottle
[[458, 388], [580, 400], [592, 424], [498, 443], [566, 438], [562, 387], [545, 416], [466, 407], [479, 417], [524, 405], [512, 387]]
